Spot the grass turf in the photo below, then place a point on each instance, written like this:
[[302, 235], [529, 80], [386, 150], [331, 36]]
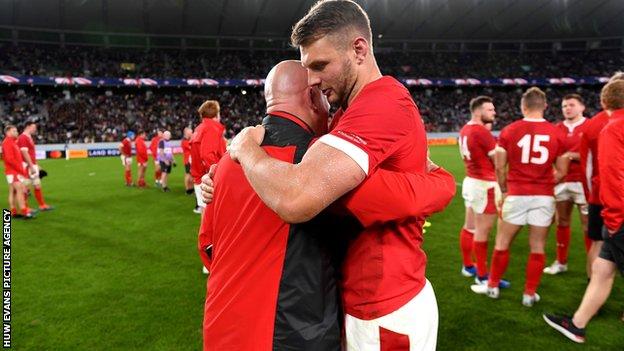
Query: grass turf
[[116, 268]]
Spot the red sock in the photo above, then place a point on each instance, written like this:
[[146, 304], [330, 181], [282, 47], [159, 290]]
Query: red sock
[[465, 244], [39, 196], [157, 175], [500, 260], [128, 175], [25, 211], [588, 242], [563, 243], [13, 211], [534, 269], [480, 249]]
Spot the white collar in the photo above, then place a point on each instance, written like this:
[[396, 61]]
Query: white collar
[[571, 126], [533, 120]]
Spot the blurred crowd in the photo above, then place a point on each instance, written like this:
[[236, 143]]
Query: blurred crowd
[[101, 62], [95, 115]]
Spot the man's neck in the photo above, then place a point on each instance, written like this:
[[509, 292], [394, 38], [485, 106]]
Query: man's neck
[[291, 109], [369, 76], [476, 120], [534, 115], [573, 120]]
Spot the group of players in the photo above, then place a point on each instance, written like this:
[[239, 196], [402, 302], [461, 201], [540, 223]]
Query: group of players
[[534, 174], [201, 148], [22, 171]]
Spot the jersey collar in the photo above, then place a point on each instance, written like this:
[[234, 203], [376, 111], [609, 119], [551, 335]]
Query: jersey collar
[[534, 120], [292, 118]]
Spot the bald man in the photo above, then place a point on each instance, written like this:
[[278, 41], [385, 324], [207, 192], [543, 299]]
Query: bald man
[[273, 285]]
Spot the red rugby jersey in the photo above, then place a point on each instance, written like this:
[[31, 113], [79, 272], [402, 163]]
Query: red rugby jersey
[[476, 146], [126, 147], [385, 265], [12, 157], [573, 132], [207, 147], [589, 156], [141, 149], [26, 141], [611, 164], [532, 148], [186, 149], [153, 147]]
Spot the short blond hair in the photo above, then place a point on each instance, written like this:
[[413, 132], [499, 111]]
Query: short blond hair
[[209, 109], [534, 99], [612, 95]]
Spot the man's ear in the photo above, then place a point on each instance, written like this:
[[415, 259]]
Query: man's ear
[[361, 47], [311, 99]]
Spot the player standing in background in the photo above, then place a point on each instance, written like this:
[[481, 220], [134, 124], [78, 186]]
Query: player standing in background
[[141, 155], [570, 191], [529, 147], [186, 151], [125, 149], [26, 144], [15, 172], [165, 158], [207, 146], [477, 147], [591, 181], [611, 258], [154, 150]]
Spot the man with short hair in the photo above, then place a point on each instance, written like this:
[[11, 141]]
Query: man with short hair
[[387, 299], [165, 159], [570, 192], [26, 144], [142, 157], [125, 150], [153, 147], [527, 150], [479, 189], [185, 144], [611, 258], [207, 145], [15, 173]]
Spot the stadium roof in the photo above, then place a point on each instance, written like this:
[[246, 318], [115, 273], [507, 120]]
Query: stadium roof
[[430, 20]]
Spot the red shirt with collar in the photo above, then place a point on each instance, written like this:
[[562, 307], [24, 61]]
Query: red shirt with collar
[[589, 156], [573, 134]]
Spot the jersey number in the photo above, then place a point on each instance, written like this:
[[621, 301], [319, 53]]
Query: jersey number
[[463, 147], [536, 146]]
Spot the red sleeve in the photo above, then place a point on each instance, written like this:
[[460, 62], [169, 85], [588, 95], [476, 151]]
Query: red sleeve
[[503, 139], [583, 153], [22, 142], [12, 159], [204, 240], [197, 168], [611, 176], [388, 196], [487, 141], [370, 128]]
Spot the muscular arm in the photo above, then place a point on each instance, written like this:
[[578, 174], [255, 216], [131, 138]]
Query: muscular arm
[[388, 196], [298, 192], [500, 163], [561, 167], [26, 156]]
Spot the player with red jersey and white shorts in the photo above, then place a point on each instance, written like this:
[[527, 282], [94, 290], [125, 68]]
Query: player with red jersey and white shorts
[[186, 152], [570, 192], [529, 147], [477, 147], [141, 155], [26, 144], [125, 150], [153, 147], [388, 301], [15, 173]]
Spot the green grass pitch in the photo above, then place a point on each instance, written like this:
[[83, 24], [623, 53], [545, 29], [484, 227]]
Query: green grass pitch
[[116, 268]]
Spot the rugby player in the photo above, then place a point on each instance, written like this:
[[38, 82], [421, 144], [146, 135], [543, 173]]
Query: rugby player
[[611, 257], [570, 192], [207, 145], [526, 152], [153, 147], [256, 256], [125, 150], [477, 147], [141, 155], [186, 151], [377, 126], [26, 144], [15, 173]]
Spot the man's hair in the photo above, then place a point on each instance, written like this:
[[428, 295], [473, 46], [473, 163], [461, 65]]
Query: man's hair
[[619, 75], [576, 97], [534, 99], [9, 127], [612, 95], [141, 131], [209, 109], [29, 123], [479, 101], [330, 17]]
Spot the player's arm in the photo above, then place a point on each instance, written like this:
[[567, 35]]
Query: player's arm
[[573, 156], [561, 168], [204, 239], [296, 192], [500, 165], [389, 196], [27, 159]]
